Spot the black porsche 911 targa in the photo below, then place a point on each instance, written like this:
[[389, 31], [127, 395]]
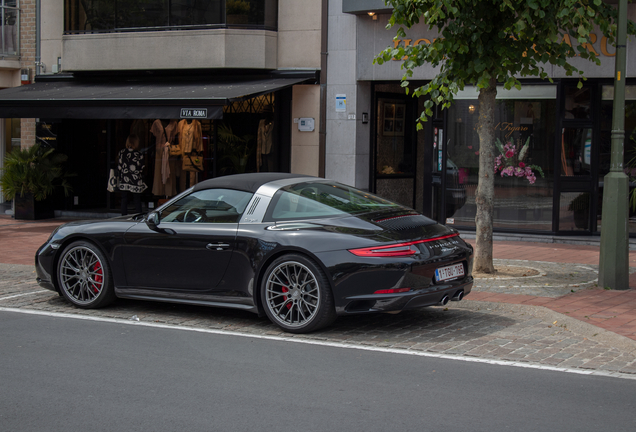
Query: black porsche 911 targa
[[299, 249]]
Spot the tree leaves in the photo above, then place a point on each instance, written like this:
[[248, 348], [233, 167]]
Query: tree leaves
[[505, 39]]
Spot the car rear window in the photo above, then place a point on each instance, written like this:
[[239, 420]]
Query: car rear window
[[321, 200]]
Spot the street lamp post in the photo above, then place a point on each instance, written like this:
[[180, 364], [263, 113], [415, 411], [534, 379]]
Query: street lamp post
[[613, 263]]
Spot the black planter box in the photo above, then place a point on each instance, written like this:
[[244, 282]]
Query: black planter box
[[26, 207]]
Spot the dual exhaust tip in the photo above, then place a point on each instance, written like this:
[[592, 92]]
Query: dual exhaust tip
[[456, 297]]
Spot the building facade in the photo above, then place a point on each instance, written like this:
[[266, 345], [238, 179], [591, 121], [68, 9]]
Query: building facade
[[17, 57], [246, 73], [564, 132]]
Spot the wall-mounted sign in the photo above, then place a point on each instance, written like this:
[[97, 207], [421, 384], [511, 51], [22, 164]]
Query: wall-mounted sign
[[341, 102], [194, 113], [306, 124]]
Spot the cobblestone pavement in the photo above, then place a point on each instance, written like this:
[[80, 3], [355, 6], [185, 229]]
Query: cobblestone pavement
[[491, 331], [554, 279]]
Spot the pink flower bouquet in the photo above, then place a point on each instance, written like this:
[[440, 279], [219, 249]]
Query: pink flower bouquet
[[510, 163]]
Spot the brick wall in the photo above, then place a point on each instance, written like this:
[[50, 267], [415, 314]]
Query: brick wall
[[27, 60]]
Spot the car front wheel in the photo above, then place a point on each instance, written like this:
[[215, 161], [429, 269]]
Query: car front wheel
[[296, 295], [84, 276]]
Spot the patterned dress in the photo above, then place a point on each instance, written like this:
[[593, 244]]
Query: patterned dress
[[130, 166]]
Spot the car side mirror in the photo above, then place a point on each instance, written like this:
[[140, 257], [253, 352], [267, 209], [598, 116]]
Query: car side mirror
[[152, 220]]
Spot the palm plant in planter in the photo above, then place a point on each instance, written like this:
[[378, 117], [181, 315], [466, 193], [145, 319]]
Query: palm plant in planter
[[236, 149], [29, 177]]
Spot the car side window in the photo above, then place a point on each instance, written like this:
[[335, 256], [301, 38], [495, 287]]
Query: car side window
[[208, 206], [315, 200]]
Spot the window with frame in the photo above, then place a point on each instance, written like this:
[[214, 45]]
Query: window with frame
[[93, 16], [10, 14], [208, 206]]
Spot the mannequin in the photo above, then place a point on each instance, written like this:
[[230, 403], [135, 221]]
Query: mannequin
[[264, 142], [167, 167], [190, 138]]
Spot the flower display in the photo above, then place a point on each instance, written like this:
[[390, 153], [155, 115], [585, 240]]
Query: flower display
[[510, 163]]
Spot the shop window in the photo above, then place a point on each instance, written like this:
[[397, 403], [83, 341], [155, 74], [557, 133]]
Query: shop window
[[577, 103], [524, 172], [13, 134], [87, 16], [576, 152], [10, 14], [629, 153], [574, 211]]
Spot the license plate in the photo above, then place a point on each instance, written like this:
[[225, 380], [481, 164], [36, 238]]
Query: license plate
[[450, 272]]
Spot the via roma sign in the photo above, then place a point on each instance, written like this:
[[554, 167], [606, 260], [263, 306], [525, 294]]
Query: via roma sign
[[194, 113]]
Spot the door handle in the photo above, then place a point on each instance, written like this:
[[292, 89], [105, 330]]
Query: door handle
[[217, 246]]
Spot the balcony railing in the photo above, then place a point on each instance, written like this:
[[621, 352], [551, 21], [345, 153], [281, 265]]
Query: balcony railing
[[99, 16], [10, 15]]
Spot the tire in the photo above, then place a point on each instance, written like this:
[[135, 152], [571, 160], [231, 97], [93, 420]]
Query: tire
[[296, 295], [84, 276]]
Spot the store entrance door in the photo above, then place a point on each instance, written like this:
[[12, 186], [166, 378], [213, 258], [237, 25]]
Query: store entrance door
[[395, 148]]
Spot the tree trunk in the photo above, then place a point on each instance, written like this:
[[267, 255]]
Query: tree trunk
[[485, 196]]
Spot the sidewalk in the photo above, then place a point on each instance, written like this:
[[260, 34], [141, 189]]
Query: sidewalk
[[579, 297], [566, 282]]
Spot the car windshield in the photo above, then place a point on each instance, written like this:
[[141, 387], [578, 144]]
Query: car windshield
[[208, 206], [323, 199]]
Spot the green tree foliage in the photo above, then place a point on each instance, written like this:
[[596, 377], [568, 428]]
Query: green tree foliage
[[485, 42]]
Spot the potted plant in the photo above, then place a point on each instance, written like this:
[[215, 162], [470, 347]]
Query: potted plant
[[236, 11], [29, 177], [236, 149]]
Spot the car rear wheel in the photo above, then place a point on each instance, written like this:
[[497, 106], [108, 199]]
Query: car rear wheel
[[84, 277], [296, 295]]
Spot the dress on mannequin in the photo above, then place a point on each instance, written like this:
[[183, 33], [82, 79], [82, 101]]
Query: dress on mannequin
[[165, 133], [264, 144], [190, 138]]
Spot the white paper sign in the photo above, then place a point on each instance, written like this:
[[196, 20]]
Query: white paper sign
[[341, 103]]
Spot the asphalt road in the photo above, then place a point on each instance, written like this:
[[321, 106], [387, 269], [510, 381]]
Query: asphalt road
[[66, 374]]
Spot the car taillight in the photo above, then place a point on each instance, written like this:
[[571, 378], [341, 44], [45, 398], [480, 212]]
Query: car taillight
[[396, 250], [392, 291]]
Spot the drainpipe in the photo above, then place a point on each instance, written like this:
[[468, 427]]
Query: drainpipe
[[322, 144], [38, 58]]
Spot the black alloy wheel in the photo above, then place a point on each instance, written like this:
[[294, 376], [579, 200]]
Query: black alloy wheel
[[84, 276], [296, 295]]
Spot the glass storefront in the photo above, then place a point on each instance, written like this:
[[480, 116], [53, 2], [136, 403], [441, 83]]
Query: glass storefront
[[250, 138], [524, 180], [552, 148], [629, 160]]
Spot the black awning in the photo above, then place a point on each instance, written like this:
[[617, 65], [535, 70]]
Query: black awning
[[131, 99]]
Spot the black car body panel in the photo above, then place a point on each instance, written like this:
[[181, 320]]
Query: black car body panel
[[222, 264]]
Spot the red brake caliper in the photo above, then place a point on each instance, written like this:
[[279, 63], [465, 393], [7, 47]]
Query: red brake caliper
[[285, 297], [99, 277]]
